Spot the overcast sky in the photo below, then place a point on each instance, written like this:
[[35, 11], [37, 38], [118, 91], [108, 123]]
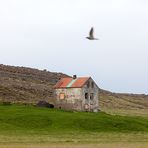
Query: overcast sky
[[50, 34]]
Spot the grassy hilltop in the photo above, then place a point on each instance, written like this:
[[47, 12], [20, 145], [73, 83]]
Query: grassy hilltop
[[18, 123]]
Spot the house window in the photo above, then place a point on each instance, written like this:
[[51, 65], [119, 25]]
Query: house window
[[62, 96], [86, 95], [88, 84], [92, 84], [91, 96]]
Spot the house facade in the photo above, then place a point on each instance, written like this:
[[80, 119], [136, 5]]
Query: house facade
[[79, 94]]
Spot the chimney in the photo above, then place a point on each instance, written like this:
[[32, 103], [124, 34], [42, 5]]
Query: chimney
[[74, 76]]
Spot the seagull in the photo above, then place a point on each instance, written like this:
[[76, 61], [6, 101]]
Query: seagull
[[91, 34]]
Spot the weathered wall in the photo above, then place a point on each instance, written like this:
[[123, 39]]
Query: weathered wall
[[72, 100], [90, 104]]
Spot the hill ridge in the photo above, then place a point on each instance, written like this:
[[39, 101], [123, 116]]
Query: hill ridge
[[26, 85], [29, 85]]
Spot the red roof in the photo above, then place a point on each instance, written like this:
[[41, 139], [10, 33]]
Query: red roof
[[71, 83]]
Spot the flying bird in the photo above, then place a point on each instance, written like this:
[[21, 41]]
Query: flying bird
[[91, 35]]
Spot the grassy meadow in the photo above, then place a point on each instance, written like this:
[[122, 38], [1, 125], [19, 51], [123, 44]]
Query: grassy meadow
[[31, 127], [126, 112]]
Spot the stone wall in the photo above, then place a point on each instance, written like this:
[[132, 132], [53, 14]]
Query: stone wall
[[71, 100], [75, 98], [91, 103]]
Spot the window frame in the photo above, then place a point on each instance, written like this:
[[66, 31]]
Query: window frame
[[86, 96], [88, 84], [63, 97], [92, 84], [91, 96]]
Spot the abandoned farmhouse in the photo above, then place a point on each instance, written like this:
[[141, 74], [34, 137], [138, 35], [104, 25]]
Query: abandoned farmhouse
[[79, 94]]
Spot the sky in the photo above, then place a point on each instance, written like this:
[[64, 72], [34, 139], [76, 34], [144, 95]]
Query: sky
[[50, 34]]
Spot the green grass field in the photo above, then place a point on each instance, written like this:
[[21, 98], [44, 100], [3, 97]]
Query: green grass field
[[32, 125]]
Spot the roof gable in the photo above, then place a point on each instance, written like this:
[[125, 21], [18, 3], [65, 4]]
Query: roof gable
[[71, 83]]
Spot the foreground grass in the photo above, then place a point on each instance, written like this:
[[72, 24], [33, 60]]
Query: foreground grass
[[99, 145], [27, 124]]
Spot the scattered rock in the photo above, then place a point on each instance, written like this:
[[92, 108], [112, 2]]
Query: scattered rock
[[44, 104]]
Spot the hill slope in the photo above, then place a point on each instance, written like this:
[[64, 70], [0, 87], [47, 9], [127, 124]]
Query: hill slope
[[123, 100], [30, 118], [27, 85], [18, 121]]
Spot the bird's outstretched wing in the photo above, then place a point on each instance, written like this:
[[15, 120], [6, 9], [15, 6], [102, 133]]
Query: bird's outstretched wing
[[91, 33]]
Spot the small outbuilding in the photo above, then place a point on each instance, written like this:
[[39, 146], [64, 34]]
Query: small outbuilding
[[80, 94]]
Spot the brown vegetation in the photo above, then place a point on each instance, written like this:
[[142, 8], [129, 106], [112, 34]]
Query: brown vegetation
[[124, 104], [100, 145], [28, 85], [123, 100]]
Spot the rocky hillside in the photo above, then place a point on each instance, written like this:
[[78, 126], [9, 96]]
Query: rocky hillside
[[125, 101], [27, 85]]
